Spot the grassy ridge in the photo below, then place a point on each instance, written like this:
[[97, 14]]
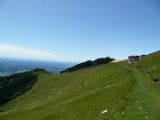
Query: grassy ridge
[[122, 89], [151, 65], [89, 63]]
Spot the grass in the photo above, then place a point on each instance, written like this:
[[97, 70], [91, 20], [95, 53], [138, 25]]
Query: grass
[[151, 64], [124, 90]]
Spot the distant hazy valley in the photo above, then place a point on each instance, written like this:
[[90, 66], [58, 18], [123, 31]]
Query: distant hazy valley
[[10, 66]]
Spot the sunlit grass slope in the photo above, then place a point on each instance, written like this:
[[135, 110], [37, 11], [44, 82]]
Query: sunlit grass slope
[[151, 64], [123, 90]]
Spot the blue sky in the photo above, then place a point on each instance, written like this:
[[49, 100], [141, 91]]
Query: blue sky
[[77, 30]]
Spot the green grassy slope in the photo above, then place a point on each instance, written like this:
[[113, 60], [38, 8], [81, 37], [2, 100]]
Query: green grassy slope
[[124, 90], [151, 65]]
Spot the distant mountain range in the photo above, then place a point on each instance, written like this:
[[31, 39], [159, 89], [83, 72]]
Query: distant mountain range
[[10, 66]]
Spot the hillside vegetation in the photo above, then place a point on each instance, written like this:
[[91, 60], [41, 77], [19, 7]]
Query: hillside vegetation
[[89, 63], [114, 91], [15, 85]]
